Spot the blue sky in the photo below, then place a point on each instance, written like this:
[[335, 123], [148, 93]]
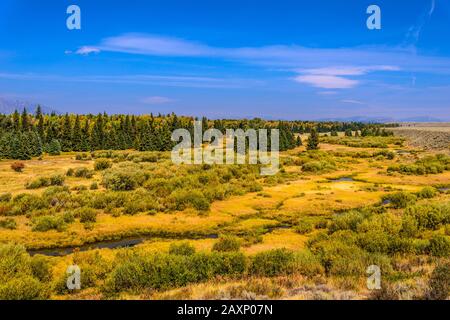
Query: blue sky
[[273, 59]]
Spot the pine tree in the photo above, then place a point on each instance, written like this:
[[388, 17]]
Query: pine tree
[[40, 125], [299, 141], [25, 125], [66, 134], [85, 137], [77, 135], [313, 140], [54, 148], [16, 120]]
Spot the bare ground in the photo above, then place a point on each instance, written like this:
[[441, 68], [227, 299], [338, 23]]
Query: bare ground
[[430, 136]]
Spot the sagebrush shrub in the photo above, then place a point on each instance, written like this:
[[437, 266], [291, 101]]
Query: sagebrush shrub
[[227, 244]]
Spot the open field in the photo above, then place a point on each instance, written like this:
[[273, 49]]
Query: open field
[[309, 232]]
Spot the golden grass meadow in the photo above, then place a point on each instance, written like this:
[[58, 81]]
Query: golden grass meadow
[[225, 232]]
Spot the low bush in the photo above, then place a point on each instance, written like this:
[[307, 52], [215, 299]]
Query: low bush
[[303, 227], [227, 244], [102, 164], [83, 173], [182, 249], [427, 216], [427, 193], [182, 199], [46, 223], [273, 263], [55, 180], [86, 215], [8, 223], [439, 246], [318, 166], [135, 271], [439, 284], [428, 165], [400, 200], [19, 276], [18, 166], [5, 197]]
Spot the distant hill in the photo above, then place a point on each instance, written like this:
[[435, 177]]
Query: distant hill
[[383, 119], [8, 106]]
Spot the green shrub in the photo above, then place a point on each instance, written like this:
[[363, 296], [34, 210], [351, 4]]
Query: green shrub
[[94, 186], [183, 249], [307, 264], [273, 263], [346, 221], [23, 288], [439, 246], [429, 216], [427, 193], [374, 241], [119, 181], [400, 200], [87, 215], [40, 268], [227, 244], [17, 280], [46, 223], [182, 199], [8, 223], [5, 197], [102, 164], [439, 284], [38, 183], [303, 227], [428, 165], [83, 173], [318, 166], [135, 271], [68, 217], [57, 180]]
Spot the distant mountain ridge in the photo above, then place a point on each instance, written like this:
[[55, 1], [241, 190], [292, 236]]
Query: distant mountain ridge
[[384, 119], [8, 106]]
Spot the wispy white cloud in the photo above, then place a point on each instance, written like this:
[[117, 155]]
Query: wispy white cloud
[[87, 50], [351, 101], [414, 32], [327, 81], [154, 100], [143, 79], [288, 57], [335, 77]]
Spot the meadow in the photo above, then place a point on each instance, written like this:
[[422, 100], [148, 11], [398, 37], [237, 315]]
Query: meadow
[[140, 227]]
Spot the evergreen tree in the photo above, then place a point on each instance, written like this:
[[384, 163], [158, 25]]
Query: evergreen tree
[[85, 137], [24, 123], [16, 120], [313, 140], [299, 141], [66, 134], [77, 138], [54, 147], [40, 125]]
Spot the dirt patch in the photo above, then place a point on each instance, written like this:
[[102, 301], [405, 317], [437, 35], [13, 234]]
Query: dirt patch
[[427, 137]]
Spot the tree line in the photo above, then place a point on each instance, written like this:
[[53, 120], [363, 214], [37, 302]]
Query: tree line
[[24, 135]]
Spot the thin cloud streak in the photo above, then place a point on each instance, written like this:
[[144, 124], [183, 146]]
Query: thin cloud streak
[[161, 80], [292, 56]]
